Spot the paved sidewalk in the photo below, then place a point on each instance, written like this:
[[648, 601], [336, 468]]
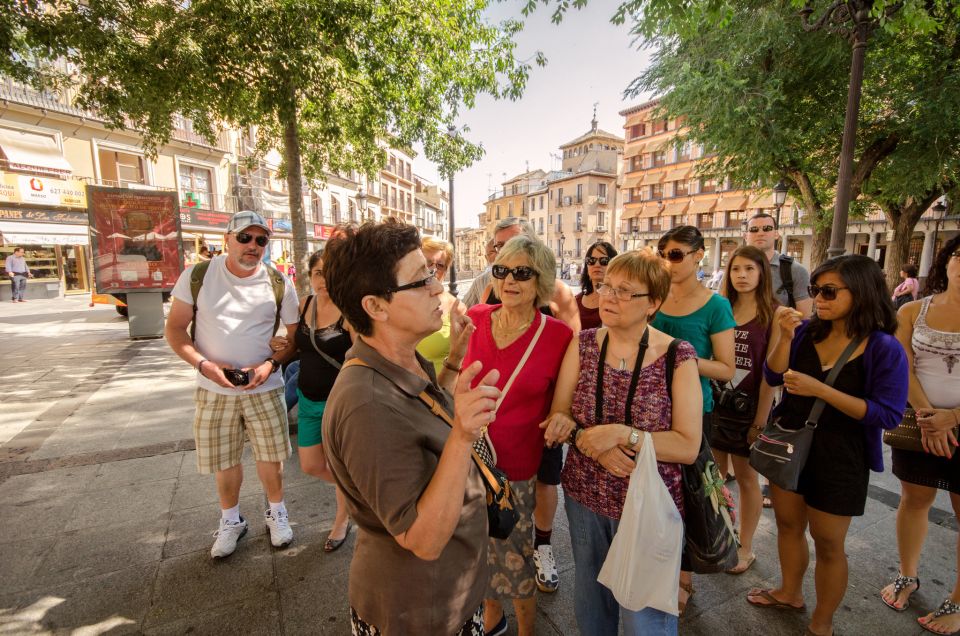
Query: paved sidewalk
[[105, 525]]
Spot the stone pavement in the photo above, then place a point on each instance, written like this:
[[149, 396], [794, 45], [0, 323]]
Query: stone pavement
[[105, 525]]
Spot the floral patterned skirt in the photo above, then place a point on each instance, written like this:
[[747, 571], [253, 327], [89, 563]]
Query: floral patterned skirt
[[473, 626], [512, 574]]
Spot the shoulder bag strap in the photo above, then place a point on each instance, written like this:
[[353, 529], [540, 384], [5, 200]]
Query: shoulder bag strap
[[786, 278], [523, 361], [441, 412], [819, 405], [311, 326]]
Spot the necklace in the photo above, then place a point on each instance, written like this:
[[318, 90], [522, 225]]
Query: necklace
[[506, 330]]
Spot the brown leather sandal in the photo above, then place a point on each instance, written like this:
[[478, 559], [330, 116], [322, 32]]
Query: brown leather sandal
[[688, 588]]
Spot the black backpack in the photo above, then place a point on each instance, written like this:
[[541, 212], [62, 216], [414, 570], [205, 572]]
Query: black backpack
[[786, 279]]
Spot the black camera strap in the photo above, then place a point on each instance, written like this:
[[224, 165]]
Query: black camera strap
[[598, 406]]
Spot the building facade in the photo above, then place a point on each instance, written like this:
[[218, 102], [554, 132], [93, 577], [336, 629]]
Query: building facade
[[511, 199]]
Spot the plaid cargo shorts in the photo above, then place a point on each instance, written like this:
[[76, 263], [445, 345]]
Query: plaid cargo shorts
[[222, 420]]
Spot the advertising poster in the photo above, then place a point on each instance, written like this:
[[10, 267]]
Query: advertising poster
[[135, 237]]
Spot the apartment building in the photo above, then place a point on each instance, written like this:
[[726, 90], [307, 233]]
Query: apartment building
[[661, 189], [511, 198], [469, 251], [432, 209]]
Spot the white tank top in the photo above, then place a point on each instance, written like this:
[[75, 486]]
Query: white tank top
[[936, 361]]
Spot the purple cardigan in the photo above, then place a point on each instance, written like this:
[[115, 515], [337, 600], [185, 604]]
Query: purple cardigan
[[887, 380]]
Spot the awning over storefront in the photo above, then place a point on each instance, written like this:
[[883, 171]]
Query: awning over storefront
[[26, 150], [679, 174], [631, 212], [635, 150], [763, 201], [731, 203], [649, 211], [654, 176], [702, 205], [675, 208], [631, 182], [15, 233]]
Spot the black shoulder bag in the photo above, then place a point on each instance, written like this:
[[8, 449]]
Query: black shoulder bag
[[786, 279]]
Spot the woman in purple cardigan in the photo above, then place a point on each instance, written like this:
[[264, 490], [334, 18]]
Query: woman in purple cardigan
[[868, 396]]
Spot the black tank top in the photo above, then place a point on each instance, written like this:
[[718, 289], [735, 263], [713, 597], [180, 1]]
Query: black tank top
[[316, 374]]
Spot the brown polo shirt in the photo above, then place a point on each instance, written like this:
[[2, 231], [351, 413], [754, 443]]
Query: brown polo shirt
[[383, 445]]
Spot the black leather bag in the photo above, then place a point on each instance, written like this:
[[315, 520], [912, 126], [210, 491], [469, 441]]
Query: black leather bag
[[710, 537], [779, 454]]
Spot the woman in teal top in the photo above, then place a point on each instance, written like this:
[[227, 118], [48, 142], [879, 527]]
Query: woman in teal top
[[693, 313]]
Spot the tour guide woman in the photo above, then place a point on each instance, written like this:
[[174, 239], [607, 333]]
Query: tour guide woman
[[598, 468], [419, 502]]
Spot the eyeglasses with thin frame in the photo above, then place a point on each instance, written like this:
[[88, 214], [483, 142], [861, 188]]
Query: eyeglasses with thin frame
[[955, 255], [245, 237], [417, 284], [439, 265], [675, 255], [520, 273], [829, 292], [602, 260], [760, 228], [623, 295]]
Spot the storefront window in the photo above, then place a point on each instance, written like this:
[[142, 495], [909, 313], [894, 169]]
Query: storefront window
[[41, 259], [196, 189], [795, 249]]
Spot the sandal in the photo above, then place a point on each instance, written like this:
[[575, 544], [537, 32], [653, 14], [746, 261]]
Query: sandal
[[688, 588], [332, 545], [900, 584], [946, 608], [765, 493], [772, 602], [747, 564]]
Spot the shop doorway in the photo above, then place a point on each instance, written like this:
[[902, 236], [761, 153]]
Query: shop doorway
[[76, 275]]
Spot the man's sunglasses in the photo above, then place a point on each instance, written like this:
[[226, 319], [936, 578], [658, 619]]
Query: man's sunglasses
[[417, 284], [520, 273], [760, 228], [674, 255], [246, 237], [593, 260], [829, 292]]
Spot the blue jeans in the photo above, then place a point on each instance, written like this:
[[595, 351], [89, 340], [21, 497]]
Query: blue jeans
[[597, 610], [19, 284], [290, 378]]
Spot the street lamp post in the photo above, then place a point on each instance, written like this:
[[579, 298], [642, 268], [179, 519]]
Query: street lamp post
[[779, 197], [940, 212], [851, 19], [452, 132], [562, 239], [362, 204]]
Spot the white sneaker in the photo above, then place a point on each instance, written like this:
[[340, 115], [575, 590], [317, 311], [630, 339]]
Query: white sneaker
[[280, 532], [547, 578], [227, 536]]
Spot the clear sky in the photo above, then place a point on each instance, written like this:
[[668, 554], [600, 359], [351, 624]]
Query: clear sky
[[588, 60]]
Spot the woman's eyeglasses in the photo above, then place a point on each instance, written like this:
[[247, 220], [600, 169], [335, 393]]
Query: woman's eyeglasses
[[760, 228], [520, 273], [621, 294], [439, 265], [603, 260], [829, 292], [245, 237], [417, 284], [675, 255]]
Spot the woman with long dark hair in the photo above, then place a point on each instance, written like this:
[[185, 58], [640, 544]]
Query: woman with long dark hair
[[594, 267], [852, 305], [746, 400], [930, 333]]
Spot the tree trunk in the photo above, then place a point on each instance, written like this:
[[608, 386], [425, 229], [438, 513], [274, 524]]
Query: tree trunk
[[821, 243], [903, 220], [291, 152]]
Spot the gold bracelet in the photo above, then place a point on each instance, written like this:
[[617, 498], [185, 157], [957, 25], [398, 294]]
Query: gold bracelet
[[448, 365]]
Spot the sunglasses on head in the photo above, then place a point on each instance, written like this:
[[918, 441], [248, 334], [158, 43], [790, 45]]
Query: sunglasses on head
[[675, 255], [829, 292], [593, 260], [417, 284], [760, 228], [520, 273], [246, 237]]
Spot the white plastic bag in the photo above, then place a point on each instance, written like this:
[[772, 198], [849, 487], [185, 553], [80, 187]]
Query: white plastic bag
[[642, 567]]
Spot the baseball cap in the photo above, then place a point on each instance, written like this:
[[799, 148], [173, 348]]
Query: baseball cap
[[244, 219]]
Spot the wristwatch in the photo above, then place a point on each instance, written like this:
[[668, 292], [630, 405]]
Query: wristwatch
[[274, 364], [634, 438]]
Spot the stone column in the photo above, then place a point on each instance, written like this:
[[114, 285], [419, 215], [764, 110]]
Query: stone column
[[926, 256], [872, 246], [718, 253]]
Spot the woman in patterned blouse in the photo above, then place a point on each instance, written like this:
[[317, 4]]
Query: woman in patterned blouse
[[629, 358]]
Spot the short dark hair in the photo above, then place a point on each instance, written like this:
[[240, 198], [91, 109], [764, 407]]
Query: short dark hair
[[17, 249], [937, 276], [762, 215], [910, 270], [585, 283], [872, 309], [363, 262], [685, 234]]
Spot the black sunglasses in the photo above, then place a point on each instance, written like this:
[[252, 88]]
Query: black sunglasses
[[520, 273], [417, 284], [675, 255], [246, 237], [759, 228], [829, 292], [593, 260]]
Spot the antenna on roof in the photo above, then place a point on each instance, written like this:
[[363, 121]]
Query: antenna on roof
[[593, 122]]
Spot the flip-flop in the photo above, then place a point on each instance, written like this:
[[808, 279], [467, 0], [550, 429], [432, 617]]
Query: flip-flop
[[688, 588], [773, 602], [765, 493], [332, 545], [749, 563]]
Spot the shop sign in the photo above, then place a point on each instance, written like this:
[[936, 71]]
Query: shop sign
[[204, 218], [322, 231], [43, 216], [16, 188], [281, 225]]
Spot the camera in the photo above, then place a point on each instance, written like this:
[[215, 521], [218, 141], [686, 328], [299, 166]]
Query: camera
[[237, 377], [734, 400]]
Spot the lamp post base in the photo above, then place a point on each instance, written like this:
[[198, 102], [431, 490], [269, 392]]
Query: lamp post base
[[833, 252]]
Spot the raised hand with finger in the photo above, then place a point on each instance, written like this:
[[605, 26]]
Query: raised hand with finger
[[474, 407]]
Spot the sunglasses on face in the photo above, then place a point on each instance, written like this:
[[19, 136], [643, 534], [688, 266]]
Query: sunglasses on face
[[829, 292], [417, 284], [622, 294], [760, 228], [674, 255], [246, 237], [520, 273], [593, 260]]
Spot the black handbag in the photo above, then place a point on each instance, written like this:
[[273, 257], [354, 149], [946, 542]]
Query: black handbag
[[710, 537], [907, 435], [779, 454]]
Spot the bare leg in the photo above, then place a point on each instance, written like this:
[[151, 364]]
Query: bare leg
[[915, 502], [492, 612], [314, 463], [526, 610], [950, 623], [829, 533], [791, 513], [271, 476], [228, 486], [751, 505]]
